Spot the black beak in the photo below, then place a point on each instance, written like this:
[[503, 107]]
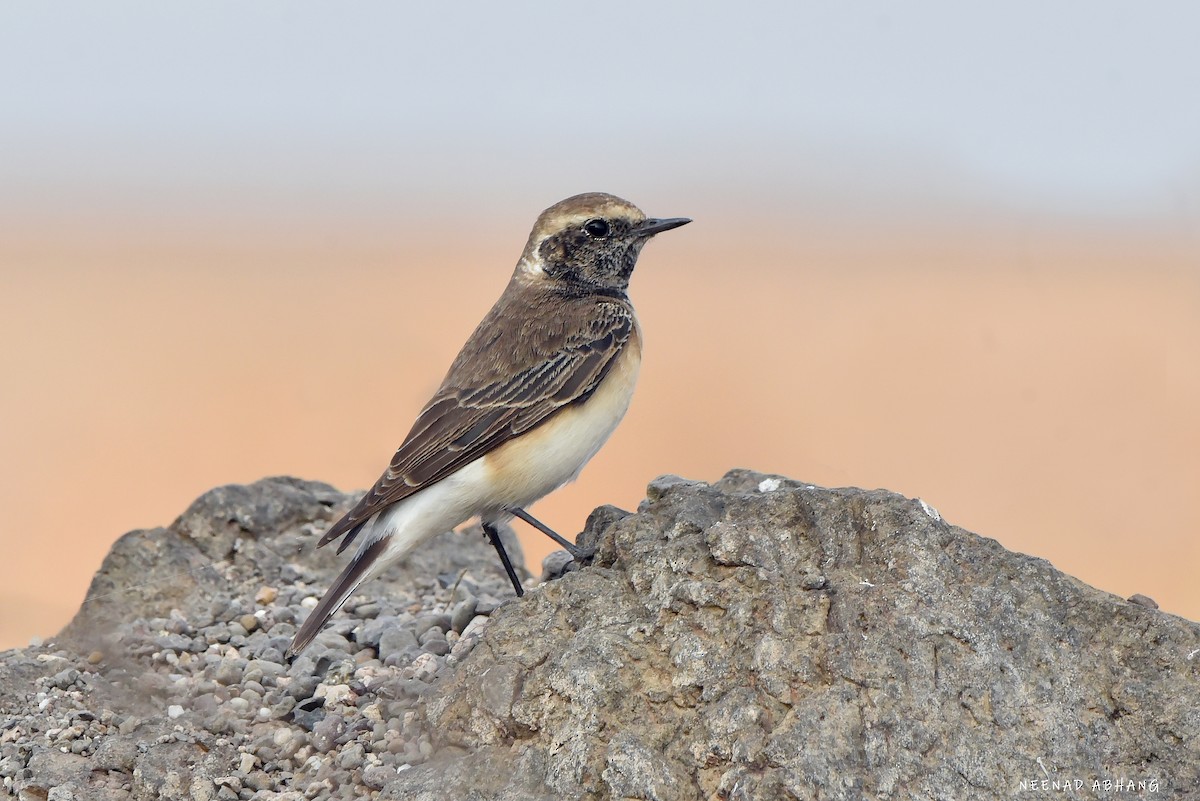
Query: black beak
[[652, 226]]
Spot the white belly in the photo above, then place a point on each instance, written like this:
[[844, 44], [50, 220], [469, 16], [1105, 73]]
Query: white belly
[[542, 460]]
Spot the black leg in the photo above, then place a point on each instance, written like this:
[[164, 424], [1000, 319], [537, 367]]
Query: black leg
[[494, 535], [576, 553]]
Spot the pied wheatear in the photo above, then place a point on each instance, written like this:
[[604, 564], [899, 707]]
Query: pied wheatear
[[535, 392]]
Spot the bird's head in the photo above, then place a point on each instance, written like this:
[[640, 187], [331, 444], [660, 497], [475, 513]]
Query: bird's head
[[589, 243]]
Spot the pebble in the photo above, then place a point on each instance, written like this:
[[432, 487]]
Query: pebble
[[424, 666], [334, 693], [435, 644], [376, 777], [557, 564], [464, 612], [368, 610], [303, 687], [1143, 600], [230, 671], [395, 641], [427, 621], [266, 595], [327, 730]]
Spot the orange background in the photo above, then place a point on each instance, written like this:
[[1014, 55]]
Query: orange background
[[1036, 381]]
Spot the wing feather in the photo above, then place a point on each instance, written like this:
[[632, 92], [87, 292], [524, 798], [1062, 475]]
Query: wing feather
[[467, 419]]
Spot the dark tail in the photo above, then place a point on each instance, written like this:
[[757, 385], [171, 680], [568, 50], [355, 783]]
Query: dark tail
[[335, 596]]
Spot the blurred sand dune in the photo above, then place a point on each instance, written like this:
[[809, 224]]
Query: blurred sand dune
[[1037, 387]]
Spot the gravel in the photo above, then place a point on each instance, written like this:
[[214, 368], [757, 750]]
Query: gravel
[[196, 701], [333, 722]]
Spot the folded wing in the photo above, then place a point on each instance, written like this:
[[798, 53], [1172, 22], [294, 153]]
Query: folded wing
[[474, 413]]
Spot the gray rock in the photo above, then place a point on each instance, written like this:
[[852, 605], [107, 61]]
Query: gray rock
[[804, 643], [557, 564], [370, 633], [753, 639], [436, 644], [326, 732], [463, 613], [426, 622], [395, 641]]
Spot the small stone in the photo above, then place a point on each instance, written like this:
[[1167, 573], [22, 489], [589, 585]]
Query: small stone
[[813, 581], [487, 604], [477, 626], [332, 641], [1143, 600], [229, 782], [660, 486], [437, 645], [202, 788], [302, 687], [247, 762], [326, 732], [368, 610], [95, 658], [230, 671], [282, 707], [114, 753], [174, 711], [266, 595], [557, 564], [259, 780], [430, 620], [464, 612], [334, 693], [64, 679], [249, 622], [352, 756], [377, 776], [264, 670], [395, 641], [424, 666], [369, 633]]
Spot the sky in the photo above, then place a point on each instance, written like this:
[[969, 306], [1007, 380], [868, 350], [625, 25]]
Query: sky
[[1073, 108]]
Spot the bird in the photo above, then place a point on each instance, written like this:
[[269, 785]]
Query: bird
[[534, 393]]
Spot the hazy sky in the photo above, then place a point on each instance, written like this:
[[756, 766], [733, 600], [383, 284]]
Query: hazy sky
[[1077, 107]]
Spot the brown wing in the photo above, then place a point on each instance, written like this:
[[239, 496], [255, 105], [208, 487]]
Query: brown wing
[[481, 405]]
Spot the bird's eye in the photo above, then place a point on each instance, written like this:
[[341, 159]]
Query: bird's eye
[[597, 229]]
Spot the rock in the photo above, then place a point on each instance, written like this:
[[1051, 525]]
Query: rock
[[557, 564], [1142, 600], [464, 613], [798, 642], [757, 638], [396, 640]]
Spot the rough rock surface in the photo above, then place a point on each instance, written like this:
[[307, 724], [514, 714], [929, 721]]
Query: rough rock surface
[[756, 638]]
